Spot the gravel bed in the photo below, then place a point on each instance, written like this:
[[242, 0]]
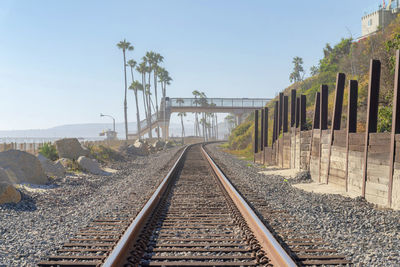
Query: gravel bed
[[369, 236], [49, 215]]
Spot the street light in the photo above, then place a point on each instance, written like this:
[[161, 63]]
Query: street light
[[104, 115]]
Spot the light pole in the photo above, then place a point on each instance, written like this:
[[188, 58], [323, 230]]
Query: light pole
[[103, 115]]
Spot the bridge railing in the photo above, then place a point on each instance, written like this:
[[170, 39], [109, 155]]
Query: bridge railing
[[219, 102]]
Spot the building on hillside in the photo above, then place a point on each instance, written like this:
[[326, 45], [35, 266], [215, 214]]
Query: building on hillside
[[379, 19]]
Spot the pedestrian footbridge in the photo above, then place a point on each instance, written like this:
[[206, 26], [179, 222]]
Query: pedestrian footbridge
[[236, 106]]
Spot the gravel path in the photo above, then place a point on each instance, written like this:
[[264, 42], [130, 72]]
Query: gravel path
[[48, 216], [367, 235]]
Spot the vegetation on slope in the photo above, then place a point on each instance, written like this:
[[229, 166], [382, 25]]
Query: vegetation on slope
[[353, 59]]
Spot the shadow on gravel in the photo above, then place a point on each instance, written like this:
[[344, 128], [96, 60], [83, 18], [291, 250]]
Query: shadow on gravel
[[27, 203]]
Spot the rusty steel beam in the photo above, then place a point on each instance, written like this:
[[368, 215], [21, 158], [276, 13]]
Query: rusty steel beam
[[395, 125], [337, 115], [265, 127], [316, 121], [351, 121], [317, 112], [275, 130], [280, 114], [297, 112], [285, 113], [372, 112], [352, 107], [324, 108], [338, 104], [293, 108], [262, 131], [303, 112], [255, 133]]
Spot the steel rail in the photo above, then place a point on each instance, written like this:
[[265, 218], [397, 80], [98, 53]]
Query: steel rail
[[116, 255], [272, 248], [269, 244]]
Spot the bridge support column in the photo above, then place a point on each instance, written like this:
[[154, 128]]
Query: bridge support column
[[165, 130], [239, 119]]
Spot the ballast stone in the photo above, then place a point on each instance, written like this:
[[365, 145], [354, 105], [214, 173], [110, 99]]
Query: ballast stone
[[70, 148], [21, 167], [54, 169], [91, 166], [8, 193]]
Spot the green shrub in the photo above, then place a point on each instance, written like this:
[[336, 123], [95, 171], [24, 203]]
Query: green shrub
[[385, 119], [49, 151]]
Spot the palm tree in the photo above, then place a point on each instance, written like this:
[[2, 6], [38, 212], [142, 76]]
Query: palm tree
[[125, 46], [196, 120], [156, 58], [132, 63], [141, 68], [164, 79], [135, 86], [182, 114], [230, 119]]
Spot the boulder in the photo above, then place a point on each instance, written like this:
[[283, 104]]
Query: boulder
[[54, 169], [21, 167], [8, 193], [91, 166], [158, 145], [66, 163], [169, 144], [70, 148]]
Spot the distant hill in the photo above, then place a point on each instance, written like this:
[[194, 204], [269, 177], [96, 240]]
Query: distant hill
[[90, 131]]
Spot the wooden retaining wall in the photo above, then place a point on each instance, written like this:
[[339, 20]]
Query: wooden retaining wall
[[365, 163]]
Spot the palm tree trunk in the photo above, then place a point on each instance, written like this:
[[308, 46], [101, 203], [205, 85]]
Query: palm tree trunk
[[144, 96], [216, 126], [137, 113], [137, 107], [125, 103], [149, 108], [155, 94]]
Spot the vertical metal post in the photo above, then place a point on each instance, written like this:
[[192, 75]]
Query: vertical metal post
[[324, 108], [317, 112], [292, 108], [337, 115], [275, 122], [265, 127], [351, 121], [285, 113], [297, 112], [262, 131], [280, 114], [303, 112], [372, 112], [316, 122], [255, 134], [395, 125]]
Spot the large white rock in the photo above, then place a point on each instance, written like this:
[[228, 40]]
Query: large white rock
[[91, 166], [70, 148], [8, 193], [54, 169], [21, 167]]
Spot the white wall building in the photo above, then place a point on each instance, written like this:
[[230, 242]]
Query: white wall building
[[379, 19]]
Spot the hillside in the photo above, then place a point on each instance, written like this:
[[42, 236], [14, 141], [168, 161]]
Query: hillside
[[352, 58]]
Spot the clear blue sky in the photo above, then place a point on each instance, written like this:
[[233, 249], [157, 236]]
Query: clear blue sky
[[59, 63]]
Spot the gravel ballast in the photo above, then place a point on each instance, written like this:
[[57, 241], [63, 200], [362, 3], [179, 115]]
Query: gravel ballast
[[367, 235], [49, 215]]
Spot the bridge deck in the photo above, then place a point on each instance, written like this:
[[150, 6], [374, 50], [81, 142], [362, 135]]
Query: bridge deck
[[219, 103]]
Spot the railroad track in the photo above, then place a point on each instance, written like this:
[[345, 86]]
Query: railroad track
[[194, 218]]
